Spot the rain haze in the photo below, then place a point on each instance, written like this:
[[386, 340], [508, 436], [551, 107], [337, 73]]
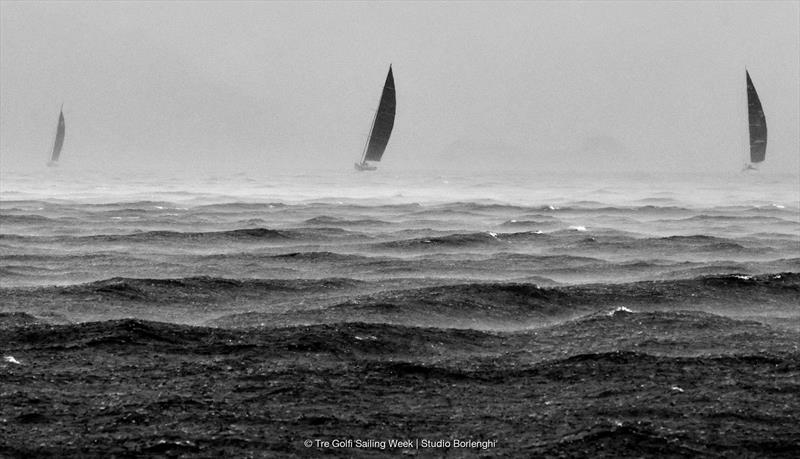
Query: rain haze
[[532, 237], [263, 86]]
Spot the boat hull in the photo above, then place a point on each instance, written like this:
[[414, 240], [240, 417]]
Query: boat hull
[[364, 167]]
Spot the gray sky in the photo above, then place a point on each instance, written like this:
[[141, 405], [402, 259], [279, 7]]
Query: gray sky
[[263, 85]]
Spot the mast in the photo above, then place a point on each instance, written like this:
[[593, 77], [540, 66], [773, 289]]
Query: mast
[[744, 138], [369, 137]]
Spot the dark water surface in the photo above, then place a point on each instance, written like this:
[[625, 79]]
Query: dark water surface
[[555, 315]]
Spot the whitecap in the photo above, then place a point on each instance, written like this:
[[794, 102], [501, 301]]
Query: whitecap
[[577, 228], [11, 359]]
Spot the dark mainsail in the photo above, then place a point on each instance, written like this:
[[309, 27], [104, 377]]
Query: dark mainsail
[[757, 122], [381, 126], [59, 138]]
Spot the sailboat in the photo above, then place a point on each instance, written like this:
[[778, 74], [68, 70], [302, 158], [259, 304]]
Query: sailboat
[[757, 126], [381, 128], [59, 143]]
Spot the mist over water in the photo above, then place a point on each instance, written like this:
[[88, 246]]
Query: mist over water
[[558, 255], [110, 184], [383, 231], [574, 87]]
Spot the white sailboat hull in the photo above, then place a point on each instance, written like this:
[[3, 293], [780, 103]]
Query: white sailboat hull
[[364, 167]]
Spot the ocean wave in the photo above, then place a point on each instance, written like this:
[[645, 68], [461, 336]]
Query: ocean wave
[[141, 204], [700, 243], [93, 257], [241, 235], [736, 218], [121, 286], [181, 299], [327, 257], [24, 272], [678, 243], [612, 210], [503, 305], [656, 200], [536, 222], [249, 258], [337, 221], [619, 338], [18, 319], [584, 207], [237, 234], [123, 332], [237, 207], [452, 240], [475, 305], [462, 240], [709, 269], [354, 339], [547, 261], [26, 219]]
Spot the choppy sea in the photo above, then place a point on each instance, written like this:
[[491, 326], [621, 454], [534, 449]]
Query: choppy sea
[[247, 315], [312, 248]]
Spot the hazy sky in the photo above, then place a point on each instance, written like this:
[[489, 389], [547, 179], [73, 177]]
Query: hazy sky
[[262, 85]]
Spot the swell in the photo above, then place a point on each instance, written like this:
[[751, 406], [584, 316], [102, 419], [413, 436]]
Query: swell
[[616, 338], [676, 244], [569, 207], [190, 300], [459, 240], [29, 219], [241, 235], [326, 220], [505, 298], [505, 262], [504, 305], [443, 303], [765, 213], [159, 288], [585, 399], [734, 218], [580, 239]]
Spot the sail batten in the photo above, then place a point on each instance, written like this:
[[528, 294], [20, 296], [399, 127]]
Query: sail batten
[[757, 123], [59, 142], [383, 122]]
